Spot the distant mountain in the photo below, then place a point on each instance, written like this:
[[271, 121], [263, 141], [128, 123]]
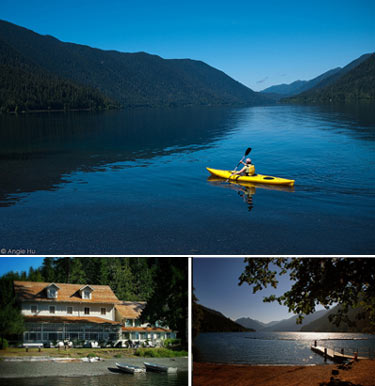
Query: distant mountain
[[294, 88], [214, 321], [354, 83], [130, 79], [251, 323], [302, 86], [323, 324], [291, 325]]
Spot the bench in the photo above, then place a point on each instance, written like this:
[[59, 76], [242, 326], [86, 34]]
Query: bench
[[33, 345]]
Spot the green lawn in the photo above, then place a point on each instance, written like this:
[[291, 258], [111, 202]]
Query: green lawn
[[100, 352]]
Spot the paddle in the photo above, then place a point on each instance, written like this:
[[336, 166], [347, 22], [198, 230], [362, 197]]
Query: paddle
[[248, 150]]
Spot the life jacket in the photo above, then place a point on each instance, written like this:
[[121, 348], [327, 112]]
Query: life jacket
[[249, 169]]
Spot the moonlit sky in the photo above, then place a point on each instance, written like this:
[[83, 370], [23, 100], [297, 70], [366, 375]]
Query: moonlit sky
[[216, 286], [259, 43]]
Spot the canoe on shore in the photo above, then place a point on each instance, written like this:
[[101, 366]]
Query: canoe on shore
[[130, 368], [159, 368]]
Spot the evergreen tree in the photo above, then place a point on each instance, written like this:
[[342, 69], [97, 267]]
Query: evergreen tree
[[143, 277], [62, 267], [47, 270], [11, 321], [169, 303], [124, 282], [77, 274]]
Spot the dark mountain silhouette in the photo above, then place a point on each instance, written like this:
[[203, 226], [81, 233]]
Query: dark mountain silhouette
[[255, 324], [357, 315], [214, 321], [131, 79], [251, 323], [291, 325]]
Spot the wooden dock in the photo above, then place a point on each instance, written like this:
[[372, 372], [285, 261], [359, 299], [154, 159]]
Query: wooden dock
[[334, 355]]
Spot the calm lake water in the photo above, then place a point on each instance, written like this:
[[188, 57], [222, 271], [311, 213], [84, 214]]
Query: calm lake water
[[179, 379], [277, 347], [134, 182]]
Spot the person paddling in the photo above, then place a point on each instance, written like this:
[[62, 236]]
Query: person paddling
[[247, 170]]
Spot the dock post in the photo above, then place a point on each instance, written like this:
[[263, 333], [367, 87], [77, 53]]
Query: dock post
[[342, 351], [325, 353], [315, 343]]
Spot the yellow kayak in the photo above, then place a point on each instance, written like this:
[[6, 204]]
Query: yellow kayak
[[256, 178]]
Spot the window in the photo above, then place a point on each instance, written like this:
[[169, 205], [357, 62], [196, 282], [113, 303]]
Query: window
[[86, 294], [51, 309], [52, 292], [129, 323], [34, 309], [87, 311], [137, 323], [103, 311], [69, 310]]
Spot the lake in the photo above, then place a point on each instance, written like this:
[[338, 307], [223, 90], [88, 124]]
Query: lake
[[179, 379], [277, 348], [134, 182]]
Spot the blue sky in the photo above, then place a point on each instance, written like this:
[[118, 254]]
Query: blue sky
[[259, 43], [216, 286], [19, 263]]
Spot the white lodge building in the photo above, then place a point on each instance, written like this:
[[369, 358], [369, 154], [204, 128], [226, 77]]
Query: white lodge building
[[55, 311]]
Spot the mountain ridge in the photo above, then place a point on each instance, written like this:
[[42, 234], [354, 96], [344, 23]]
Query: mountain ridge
[[131, 79], [355, 83], [301, 88]]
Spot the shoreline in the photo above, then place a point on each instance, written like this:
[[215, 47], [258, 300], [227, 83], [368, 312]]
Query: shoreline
[[210, 374], [49, 368]]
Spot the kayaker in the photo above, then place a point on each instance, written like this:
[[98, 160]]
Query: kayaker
[[247, 170]]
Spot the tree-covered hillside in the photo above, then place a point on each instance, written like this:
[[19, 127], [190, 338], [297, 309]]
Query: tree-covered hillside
[[25, 86], [132, 79], [299, 86], [356, 85]]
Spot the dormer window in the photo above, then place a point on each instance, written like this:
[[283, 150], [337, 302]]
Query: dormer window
[[52, 293], [86, 292], [52, 290]]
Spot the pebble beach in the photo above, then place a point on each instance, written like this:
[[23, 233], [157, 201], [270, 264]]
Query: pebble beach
[[51, 368]]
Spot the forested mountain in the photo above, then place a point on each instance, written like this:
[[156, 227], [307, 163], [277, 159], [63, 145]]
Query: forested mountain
[[358, 317], [214, 321], [294, 88], [302, 87], [26, 86], [355, 84], [131, 79]]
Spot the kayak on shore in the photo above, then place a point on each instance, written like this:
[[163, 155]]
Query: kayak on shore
[[256, 178]]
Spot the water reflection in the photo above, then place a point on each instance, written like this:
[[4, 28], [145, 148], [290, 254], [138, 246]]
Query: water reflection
[[178, 379], [39, 151], [246, 190]]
